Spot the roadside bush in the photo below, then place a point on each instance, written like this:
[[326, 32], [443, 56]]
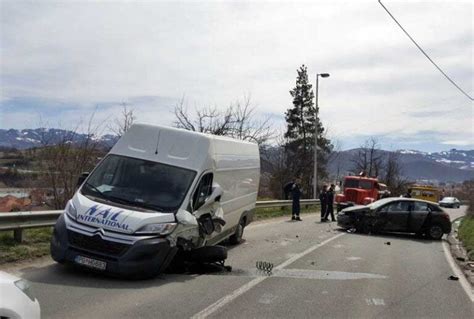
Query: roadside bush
[[466, 234]]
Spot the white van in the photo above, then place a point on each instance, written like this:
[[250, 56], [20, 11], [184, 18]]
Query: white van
[[158, 190]]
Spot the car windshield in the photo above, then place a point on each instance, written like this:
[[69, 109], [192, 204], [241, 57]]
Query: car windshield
[[356, 183], [138, 182]]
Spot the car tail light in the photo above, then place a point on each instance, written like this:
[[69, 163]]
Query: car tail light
[[445, 216]]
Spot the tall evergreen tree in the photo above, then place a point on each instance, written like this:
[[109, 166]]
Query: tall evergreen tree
[[301, 119]]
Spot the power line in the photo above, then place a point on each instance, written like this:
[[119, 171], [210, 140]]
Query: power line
[[425, 54]]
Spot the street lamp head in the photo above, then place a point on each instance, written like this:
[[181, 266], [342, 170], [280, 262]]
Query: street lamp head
[[324, 75]]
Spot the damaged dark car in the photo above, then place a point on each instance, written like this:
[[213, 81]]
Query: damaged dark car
[[406, 215]]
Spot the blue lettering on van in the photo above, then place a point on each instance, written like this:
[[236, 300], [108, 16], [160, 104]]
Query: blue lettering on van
[[105, 217]]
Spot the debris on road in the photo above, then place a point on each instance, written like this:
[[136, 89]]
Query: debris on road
[[264, 266], [461, 258], [388, 243], [453, 278], [351, 230]]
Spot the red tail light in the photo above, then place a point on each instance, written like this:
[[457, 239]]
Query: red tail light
[[445, 216]]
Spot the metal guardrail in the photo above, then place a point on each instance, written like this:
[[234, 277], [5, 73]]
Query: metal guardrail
[[22, 220]]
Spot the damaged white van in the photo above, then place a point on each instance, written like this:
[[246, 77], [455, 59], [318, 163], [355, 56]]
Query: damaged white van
[[159, 190]]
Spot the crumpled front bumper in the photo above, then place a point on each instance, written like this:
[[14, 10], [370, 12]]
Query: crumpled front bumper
[[145, 257]]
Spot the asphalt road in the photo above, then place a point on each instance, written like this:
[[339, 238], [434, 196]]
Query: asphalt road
[[319, 272]]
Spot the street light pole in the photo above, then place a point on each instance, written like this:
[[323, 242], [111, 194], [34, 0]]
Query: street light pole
[[315, 173]]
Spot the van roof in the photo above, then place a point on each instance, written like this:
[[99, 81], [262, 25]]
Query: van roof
[[179, 147]]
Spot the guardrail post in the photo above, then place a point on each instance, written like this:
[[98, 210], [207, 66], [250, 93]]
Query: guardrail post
[[18, 235]]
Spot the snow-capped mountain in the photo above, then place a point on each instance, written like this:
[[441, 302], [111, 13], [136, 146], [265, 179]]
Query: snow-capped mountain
[[28, 138], [453, 165], [462, 159]]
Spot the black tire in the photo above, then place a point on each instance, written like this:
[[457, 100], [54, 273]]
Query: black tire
[[435, 231], [236, 238], [364, 226], [207, 254]]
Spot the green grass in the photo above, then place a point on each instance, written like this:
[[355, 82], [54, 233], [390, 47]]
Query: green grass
[[265, 213], [466, 234], [35, 244]]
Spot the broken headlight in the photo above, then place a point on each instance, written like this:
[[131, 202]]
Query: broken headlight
[[156, 229]]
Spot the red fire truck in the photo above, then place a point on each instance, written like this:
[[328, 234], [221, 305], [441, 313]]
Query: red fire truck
[[360, 190]]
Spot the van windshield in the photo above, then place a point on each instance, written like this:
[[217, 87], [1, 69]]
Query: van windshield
[[140, 183]]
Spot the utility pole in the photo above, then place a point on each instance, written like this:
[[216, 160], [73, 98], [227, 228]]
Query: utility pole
[[315, 173]]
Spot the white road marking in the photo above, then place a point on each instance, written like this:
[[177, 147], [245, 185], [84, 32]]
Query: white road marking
[[324, 274], [243, 289], [375, 302], [353, 258], [462, 280]]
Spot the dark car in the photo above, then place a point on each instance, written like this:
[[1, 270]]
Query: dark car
[[397, 214], [450, 202]]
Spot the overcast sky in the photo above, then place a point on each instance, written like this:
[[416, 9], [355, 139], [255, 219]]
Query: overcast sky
[[60, 61]]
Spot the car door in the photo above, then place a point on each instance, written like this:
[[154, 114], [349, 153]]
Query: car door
[[417, 216], [396, 215]]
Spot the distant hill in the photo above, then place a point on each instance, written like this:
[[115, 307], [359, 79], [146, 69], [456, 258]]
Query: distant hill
[[28, 138], [447, 166]]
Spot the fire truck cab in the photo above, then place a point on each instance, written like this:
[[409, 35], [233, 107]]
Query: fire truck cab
[[358, 190]]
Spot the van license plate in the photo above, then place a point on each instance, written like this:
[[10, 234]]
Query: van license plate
[[89, 262]]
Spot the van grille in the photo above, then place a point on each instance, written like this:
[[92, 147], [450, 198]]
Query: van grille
[[96, 244]]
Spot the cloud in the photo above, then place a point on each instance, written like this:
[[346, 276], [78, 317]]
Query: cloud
[[65, 59]]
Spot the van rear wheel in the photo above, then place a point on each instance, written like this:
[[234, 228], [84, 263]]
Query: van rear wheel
[[236, 238]]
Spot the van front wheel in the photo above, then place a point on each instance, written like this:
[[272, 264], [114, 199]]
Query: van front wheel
[[236, 238]]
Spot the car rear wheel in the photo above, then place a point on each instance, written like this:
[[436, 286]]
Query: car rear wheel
[[435, 231]]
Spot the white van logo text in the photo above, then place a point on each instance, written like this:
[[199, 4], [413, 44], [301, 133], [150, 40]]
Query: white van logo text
[[106, 217]]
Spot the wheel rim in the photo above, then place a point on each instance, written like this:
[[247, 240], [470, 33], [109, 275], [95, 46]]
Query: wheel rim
[[436, 232]]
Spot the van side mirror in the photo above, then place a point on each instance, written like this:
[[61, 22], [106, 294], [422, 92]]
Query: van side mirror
[[82, 178]]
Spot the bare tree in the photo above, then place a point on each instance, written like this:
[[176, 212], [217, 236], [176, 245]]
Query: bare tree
[[335, 159], [393, 174], [369, 158], [122, 123], [237, 120], [63, 158]]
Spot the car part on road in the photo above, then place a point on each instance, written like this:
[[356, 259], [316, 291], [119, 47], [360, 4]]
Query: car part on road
[[264, 266], [207, 254], [388, 243], [453, 278]]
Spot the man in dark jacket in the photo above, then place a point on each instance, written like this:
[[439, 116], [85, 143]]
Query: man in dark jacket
[[330, 202], [296, 195], [287, 189], [323, 201]]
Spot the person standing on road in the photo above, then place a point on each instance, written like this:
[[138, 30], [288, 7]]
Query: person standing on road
[[323, 201], [287, 189], [296, 195], [329, 203]]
